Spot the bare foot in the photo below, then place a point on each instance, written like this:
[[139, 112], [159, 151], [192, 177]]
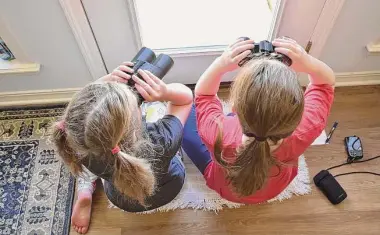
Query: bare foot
[[80, 219]]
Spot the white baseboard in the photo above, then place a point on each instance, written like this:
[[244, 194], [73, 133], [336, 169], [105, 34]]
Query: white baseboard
[[60, 96], [350, 79], [36, 97], [358, 78]]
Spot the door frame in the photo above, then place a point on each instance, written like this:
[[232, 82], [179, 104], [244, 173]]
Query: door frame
[[325, 24], [76, 15], [77, 18]]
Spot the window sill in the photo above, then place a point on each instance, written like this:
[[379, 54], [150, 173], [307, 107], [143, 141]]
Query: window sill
[[14, 66], [373, 48], [192, 51]]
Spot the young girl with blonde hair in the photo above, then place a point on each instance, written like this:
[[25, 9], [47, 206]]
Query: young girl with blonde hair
[[251, 155], [103, 134]]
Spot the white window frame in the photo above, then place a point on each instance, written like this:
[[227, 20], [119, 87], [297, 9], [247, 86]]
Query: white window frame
[[200, 50], [22, 63], [95, 32]]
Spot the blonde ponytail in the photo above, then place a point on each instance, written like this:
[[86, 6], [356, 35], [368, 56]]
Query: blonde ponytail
[[133, 177], [66, 153]]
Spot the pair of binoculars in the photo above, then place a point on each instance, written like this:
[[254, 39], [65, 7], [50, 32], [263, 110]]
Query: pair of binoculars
[[265, 49], [146, 59]]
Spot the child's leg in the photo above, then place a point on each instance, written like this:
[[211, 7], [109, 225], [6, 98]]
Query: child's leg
[[80, 218], [193, 145], [87, 181]]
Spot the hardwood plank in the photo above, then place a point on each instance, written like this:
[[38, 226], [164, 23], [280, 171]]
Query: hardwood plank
[[357, 109], [103, 231]]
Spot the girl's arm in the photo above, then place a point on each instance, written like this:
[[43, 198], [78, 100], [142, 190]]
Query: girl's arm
[[319, 72], [179, 96], [180, 99], [209, 82]]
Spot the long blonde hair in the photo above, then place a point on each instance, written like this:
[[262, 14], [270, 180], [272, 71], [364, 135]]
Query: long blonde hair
[[98, 118], [269, 103]]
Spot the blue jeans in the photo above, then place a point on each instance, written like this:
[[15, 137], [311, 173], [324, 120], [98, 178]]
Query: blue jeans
[[192, 144]]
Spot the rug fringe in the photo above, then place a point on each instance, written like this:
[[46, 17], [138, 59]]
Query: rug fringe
[[213, 205], [299, 186]]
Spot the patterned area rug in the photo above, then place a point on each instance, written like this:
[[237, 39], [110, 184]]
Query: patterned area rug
[[36, 190]]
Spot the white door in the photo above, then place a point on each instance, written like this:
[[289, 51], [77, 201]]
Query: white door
[[193, 32]]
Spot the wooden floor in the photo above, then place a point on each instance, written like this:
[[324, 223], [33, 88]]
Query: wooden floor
[[357, 109]]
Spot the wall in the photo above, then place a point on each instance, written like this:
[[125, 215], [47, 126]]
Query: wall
[[299, 19], [357, 25], [42, 31]]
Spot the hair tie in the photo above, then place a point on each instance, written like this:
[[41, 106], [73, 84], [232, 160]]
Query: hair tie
[[61, 125], [116, 149], [258, 138]]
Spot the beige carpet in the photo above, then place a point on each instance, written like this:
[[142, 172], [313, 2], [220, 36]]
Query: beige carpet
[[196, 195]]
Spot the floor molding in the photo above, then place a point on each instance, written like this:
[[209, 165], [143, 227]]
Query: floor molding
[[36, 97], [59, 96], [358, 78]]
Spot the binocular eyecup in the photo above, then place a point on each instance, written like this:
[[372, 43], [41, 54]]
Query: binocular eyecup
[[265, 49]]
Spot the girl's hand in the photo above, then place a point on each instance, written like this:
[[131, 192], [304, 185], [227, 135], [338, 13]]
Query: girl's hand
[[152, 89], [301, 61], [120, 74], [233, 54]]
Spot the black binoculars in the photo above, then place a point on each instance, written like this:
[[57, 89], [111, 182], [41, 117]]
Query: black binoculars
[[262, 49], [146, 59]]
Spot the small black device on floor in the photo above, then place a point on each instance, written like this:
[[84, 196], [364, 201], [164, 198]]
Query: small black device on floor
[[328, 184], [265, 48], [354, 148], [146, 59], [330, 187]]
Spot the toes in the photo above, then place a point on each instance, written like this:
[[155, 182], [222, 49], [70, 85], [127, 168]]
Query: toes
[[81, 230], [84, 230], [77, 229]]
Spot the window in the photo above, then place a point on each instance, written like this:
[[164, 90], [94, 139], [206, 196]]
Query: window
[[193, 32], [5, 53], [374, 47], [168, 24], [9, 64]]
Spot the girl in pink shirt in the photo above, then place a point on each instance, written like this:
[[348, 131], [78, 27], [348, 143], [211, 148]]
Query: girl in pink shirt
[[251, 155]]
